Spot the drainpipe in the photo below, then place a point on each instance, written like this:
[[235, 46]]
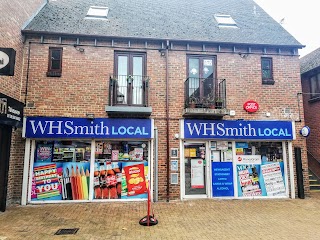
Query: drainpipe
[[298, 100], [167, 119], [156, 169], [27, 80]]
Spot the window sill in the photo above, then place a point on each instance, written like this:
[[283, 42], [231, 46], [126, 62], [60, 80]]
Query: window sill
[[53, 74], [314, 99], [268, 81]]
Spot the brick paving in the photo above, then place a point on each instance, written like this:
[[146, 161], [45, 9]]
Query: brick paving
[[192, 219]]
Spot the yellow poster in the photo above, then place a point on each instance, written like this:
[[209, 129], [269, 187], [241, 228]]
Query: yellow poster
[[193, 152], [239, 151], [186, 152]]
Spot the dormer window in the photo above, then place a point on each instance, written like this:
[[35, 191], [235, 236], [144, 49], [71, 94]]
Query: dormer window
[[98, 12], [225, 20]]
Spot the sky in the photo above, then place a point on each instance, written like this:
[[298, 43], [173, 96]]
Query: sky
[[301, 20]]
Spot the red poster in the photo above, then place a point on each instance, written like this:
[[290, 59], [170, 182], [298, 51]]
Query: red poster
[[135, 179]]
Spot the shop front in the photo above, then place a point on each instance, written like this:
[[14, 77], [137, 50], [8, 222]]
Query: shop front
[[79, 159], [11, 112], [236, 159]]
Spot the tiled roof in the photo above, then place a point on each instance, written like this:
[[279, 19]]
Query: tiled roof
[[164, 19], [310, 61]]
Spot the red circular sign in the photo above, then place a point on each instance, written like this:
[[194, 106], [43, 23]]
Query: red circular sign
[[251, 106]]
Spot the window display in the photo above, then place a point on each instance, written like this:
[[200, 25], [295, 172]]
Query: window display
[[121, 170], [61, 170]]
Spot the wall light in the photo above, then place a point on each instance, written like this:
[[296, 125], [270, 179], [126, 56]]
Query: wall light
[[90, 116], [243, 55], [80, 49]]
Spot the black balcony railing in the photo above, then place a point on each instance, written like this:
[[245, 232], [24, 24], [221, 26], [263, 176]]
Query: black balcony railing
[[205, 93], [128, 90]]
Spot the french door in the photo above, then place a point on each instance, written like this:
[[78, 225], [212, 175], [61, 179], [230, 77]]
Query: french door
[[201, 75], [130, 70]]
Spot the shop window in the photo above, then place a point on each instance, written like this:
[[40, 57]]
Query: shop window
[[55, 62], [260, 169], [267, 71], [121, 170], [61, 170]]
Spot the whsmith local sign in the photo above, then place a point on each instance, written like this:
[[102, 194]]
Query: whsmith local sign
[[43, 127], [239, 129]]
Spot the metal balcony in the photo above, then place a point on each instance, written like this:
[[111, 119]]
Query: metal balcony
[[205, 97], [128, 95]]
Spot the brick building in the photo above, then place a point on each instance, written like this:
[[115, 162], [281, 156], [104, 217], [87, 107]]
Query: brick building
[[310, 69], [198, 100], [14, 16]]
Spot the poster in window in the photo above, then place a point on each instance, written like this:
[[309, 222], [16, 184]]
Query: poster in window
[[273, 179], [197, 173], [44, 152], [60, 181], [136, 182], [222, 145]]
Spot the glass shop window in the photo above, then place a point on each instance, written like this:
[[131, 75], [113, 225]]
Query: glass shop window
[[61, 170], [260, 169], [120, 170]]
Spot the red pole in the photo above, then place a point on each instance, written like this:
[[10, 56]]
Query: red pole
[[148, 216]]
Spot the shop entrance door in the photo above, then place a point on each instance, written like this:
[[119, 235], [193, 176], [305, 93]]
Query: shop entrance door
[[5, 142], [195, 170]]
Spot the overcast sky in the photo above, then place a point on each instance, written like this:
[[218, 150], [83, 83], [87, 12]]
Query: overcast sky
[[301, 19]]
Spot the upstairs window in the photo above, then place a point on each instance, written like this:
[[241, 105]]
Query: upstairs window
[[266, 69], [130, 71], [225, 20], [97, 12], [315, 87], [55, 62]]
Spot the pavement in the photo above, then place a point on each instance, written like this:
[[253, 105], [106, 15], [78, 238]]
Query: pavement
[[190, 219]]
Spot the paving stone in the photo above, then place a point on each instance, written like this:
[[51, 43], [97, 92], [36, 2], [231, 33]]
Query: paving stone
[[192, 219]]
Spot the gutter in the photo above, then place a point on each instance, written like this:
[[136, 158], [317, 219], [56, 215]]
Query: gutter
[[27, 77], [31, 32]]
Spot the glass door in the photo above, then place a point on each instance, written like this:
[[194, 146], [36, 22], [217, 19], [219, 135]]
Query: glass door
[[201, 75], [195, 170], [130, 71]]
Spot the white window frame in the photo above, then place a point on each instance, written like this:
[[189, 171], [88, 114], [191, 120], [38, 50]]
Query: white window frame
[[225, 20], [97, 12]]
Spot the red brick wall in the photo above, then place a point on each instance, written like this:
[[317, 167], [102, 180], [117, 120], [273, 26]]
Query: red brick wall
[[83, 87], [312, 114], [14, 14]]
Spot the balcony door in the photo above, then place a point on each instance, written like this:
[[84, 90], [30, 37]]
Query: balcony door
[[201, 75], [130, 71]]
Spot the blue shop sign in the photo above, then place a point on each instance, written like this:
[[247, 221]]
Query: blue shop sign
[[222, 179], [239, 129], [62, 127]]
